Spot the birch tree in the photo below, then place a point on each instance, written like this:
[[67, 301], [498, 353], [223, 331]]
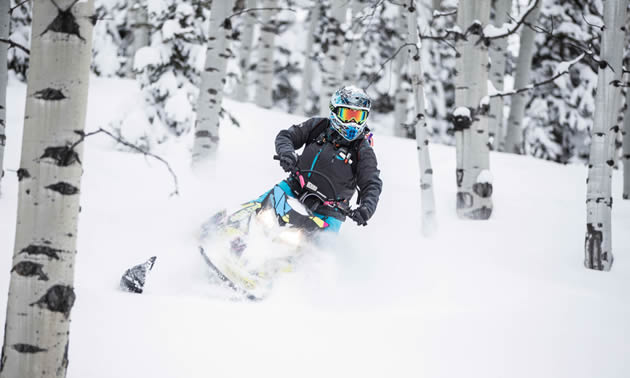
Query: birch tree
[[401, 95], [598, 243], [498, 56], [422, 134], [350, 72], [474, 180], [514, 138], [626, 149], [4, 78], [247, 44], [212, 82], [41, 293], [332, 48], [264, 67], [140, 28], [309, 57]]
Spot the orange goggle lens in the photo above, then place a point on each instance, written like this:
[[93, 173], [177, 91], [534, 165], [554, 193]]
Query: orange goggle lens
[[352, 115]]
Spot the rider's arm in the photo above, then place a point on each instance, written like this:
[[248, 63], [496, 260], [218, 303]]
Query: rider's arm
[[368, 179], [293, 138]]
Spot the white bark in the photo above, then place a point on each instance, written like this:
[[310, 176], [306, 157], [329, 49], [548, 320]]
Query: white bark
[[598, 245], [514, 138], [350, 68], [474, 185], [334, 38], [307, 73], [626, 149], [140, 26], [498, 56], [247, 44], [403, 89], [4, 48], [422, 134], [212, 83], [268, 31], [41, 293]]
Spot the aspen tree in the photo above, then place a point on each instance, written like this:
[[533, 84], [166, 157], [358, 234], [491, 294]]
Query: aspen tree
[[212, 82], [247, 45], [598, 243], [4, 78], [266, 46], [474, 180], [333, 44], [41, 291], [307, 72]]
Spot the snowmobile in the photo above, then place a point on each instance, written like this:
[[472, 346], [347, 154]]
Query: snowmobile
[[248, 248]]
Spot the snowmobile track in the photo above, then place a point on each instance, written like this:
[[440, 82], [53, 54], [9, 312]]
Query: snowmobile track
[[226, 280]]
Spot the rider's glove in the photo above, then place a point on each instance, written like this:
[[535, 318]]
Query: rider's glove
[[360, 215], [288, 161]]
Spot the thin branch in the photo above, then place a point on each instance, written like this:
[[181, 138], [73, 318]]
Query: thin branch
[[513, 30], [84, 135], [16, 6], [257, 9], [15, 44], [563, 71], [382, 67]]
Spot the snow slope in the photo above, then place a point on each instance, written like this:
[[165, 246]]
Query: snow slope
[[504, 298]]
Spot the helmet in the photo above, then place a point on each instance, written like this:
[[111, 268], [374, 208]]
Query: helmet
[[349, 110]]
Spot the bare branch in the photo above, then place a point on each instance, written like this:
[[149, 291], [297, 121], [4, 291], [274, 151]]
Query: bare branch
[[84, 135], [562, 70], [382, 67], [15, 44], [486, 39], [257, 9], [16, 6]]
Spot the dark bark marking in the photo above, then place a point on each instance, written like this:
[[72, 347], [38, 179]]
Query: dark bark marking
[[425, 186], [461, 122], [483, 189], [63, 188], [49, 94], [428, 171], [30, 269], [22, 174], [211, 69], [64, 362], [610, 162], [59, 298], [464, 200], [593, 247], [63, 156], [212, 91], [27, 348], [626, 196], [206, 134], [480, 214], [459, 177], [65, 22], [37, 250]]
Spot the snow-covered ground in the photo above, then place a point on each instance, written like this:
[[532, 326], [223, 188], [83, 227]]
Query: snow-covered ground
[[507, 297]]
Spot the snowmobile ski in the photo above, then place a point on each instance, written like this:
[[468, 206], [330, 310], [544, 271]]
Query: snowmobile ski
[[228, 282]]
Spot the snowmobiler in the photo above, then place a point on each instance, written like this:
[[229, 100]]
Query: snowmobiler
[[337, 160]]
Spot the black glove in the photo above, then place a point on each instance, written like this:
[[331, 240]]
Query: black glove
[[360, 215], [288, 161]]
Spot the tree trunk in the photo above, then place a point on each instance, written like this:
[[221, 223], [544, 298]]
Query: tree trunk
[[307, 73], [474, 181], [140, 26], [212, 80], [247, 44], [332, 47], [401, 96], [422, 135], [41, 293], [4, 78], [268, 31], [498, 56], [350, 68], [626, 149], [598, 244], [514, 139]]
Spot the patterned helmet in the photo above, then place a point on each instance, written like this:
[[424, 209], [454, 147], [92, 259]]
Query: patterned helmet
[[349, 110]]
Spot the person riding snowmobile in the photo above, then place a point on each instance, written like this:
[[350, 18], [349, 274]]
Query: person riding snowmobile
[[338, 157]]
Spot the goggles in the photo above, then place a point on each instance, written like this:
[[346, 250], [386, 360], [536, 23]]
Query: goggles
[[347, 115]]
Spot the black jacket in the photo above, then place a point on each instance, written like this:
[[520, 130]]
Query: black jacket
[[327, 152]]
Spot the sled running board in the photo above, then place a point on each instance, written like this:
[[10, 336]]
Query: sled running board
[[228, 282]]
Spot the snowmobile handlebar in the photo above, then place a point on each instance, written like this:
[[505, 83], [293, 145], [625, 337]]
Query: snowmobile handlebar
[[347, 211]]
